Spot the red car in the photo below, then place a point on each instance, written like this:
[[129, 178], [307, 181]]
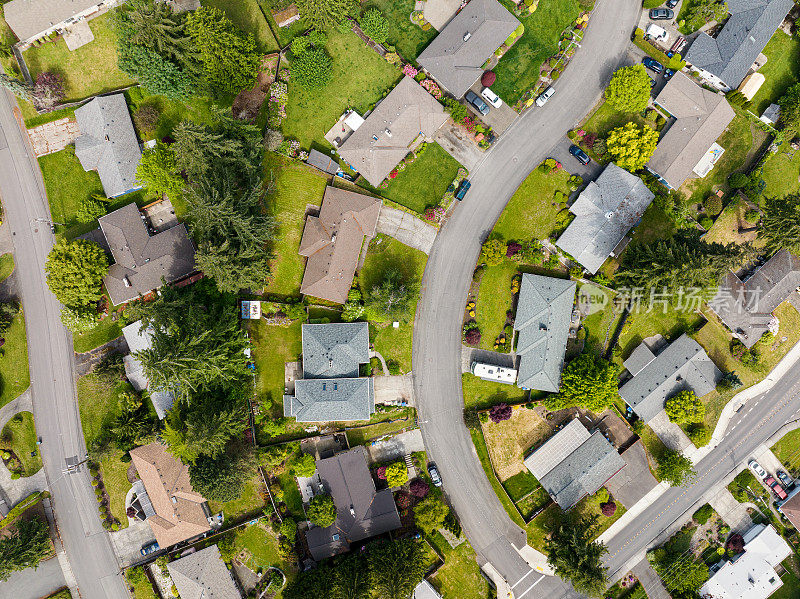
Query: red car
[[778, 490]]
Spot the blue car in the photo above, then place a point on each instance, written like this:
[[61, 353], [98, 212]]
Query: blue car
[[653, 65], [582, 156], [463, 189], [668, 73]]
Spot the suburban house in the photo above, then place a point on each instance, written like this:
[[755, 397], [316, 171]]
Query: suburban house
[[203, 574], [542, 322], [361, 511], [108, 143], [400, 122], [724, 61], [333, 240], [176, 512], [139, 339], [455, 58], [689, 144], [574, 463], [331, 389], [746, 305], [604, 213], [425, 590], [752, 574], [142, 256], [791, 507], [682, 365], [34, 19]]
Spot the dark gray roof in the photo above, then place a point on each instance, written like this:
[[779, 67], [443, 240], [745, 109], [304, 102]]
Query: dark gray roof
[[203, 575], [604, 212], [108, 143], [750, 26], [323, 162], [640, 358], [331, 400], [455, 57], [683, 365], [746, 306], [28, 18], [335, 349], [543, 315], [361, 512], [141, 260]]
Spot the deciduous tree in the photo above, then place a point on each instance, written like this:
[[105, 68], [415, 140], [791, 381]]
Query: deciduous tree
[[391, 297], [158, 171], [685, 408], [304, 465], [632, 145], [313, 69], [675, 468], [429, 514], [396, 474], [375, 25], [321, 510], [48, 91], [75, 271], [629, 89], [588, 381], [790, 108]]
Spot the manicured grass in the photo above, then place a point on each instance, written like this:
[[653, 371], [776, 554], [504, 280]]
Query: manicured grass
[[791, 585], [781, 174], [105, 331], [98, 403], [142, 589], [19, 435], [727, 225], [273, 346], [6, 266], [261, 544], [654, 446], [518, 69], [600, 325], [460, 576], [781, 71], [285, 34], [291, 495], [494, 300], [14, 374], [248, 503], [483, 394], [787, 450], [47, 117], [590, 506], [655, 224], [642, 324], [247, 16], [606, 118], [530, 213], [424, 182], [521, 484], [386, 254], [402, 417], [360, 78], [408, 39], [115, 479], [483, 455], [89, 70], [296, 186], [171, 112]]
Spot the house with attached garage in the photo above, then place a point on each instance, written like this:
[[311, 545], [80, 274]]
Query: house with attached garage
[[604, 213], [724, 61], [33, 19]]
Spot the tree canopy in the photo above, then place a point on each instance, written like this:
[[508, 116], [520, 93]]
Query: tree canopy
[[223, 478], [675, 468], [780, 225], [323, 14], [629, 89], [392, 296], [685, 408], [75, 271], [429, 514], [25, 547], [790, 108], [396, 567], [321, 510], [158, 171], [588, 381], [632, 145], [574, 554]]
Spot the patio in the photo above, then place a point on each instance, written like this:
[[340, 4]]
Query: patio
[[439, 12], [78, 35]]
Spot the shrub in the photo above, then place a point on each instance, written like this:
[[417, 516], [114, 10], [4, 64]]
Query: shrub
[[500, 412], [608, 509], [512, 249], [403, 500], [703, 514], [313, 69], [752, 215], [419, 488], [381, 472], [713, 204], [706, 223], [396, 474], [735, 544], [375, 25], [146, 117], [738, 180], [472, 335], [699, 435]]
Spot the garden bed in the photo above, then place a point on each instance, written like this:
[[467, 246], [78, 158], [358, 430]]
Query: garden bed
[[18, 441]]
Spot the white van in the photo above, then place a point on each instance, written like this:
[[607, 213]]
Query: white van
[[657, 33]]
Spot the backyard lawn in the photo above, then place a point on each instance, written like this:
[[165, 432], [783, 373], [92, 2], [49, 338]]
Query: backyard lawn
[[260, 544], [249, 502], [459, 577], [6, 266], [782, 174], [296, 186], [171, 112], [247, 16], [285, 34], [600, 325], [87, 71], [642, 324], [19, 436], [408, 39], [518, 69], [791, 584], [360, 78], [482, 394], [606, 118], [14, 375], [787, 450], [272, 347], [781, 71]]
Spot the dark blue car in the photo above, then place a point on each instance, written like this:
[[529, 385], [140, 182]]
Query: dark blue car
[[653, 65], [463, 189], [582, 156]]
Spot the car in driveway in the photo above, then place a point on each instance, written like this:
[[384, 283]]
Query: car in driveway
[[757, 469], [778, 490], [785, 479], [661, 14], [463, 189], [150, 548], [542, 99], [475, 100], [652, 82], [433, 472], [582, 156], [491, 97], [653, 65], [657, 33]]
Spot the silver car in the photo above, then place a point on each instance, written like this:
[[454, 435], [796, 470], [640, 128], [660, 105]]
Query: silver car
[[545, 96], [756, 467]]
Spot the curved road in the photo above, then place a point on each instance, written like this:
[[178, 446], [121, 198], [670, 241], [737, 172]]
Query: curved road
[[437, 328], [50, 356]]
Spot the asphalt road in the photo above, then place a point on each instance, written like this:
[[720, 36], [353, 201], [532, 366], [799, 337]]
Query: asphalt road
[[437, 334], [50, 356]]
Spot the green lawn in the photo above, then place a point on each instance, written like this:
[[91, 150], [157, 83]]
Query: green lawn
[[14, 374], [786, 450], [781, 174], [483, 455], [655, 447], [291, 495], [386, 254], [247, 16], [296, 185], [98, 403], [87, 71], [19, 435], [171, 112], [424, 182], [600, 326], [781, 71], [606, 118], [273, 346], [285, 34], [248, 503], [494, 300], [142, 589], [460, 576], [483, 394], [104, 332], [642, 324], [261, 545], [6, 266], [403, 417], [360, 78], [408, 39], [518, 69], [115, 479]]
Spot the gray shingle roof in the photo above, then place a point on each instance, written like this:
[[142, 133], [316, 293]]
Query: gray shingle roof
[[334, 349], [455, 57], [28, 18], [108, 143], [138, 340], [331, 400], [683, 365], [701, 116], [323, 162], [543, 315], [203, 575], [141, 260], [604, 213], [750, 26], [746, 306], [346, 477]]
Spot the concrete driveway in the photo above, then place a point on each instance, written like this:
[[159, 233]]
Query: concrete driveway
[[33, 584], [407, 229], [396, 447], [670, 26], [457, 142], [589, 172], [128, 541], [635, 480], [499, 118], [394, 389]]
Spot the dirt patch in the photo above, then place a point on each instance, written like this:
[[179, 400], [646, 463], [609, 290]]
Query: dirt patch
[[509, 440], [247, 104]]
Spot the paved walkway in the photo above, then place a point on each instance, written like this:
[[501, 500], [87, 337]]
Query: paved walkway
[[78, 34], [733, 513], [396, 447], [407, 229], [20, 404], [53, 137], [374, 354], [651, 582]]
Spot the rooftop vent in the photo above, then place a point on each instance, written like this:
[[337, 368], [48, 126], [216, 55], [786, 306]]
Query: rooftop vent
[[467, 35], [352, 511], [126, 281]]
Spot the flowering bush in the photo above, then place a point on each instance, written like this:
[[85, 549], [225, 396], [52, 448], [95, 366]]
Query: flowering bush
[[278, 91], [409, 71], [429, 214], [393, 174], [472, 334], [608, 509], [469, 124], [291, 148], [403, 500], [384, 184], [381, 473], [513, 248], [284, 75], [432, 88]]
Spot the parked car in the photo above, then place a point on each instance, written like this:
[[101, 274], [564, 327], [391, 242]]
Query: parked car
[[582, 156], [463, 189], [785, 479], [779, 490], [434, 474], [756, 467], [661, 14], [545, 96], [479, 104], [769, 481], [657, 33], [672, 3], [491, 97], [653, 65], [150, 548], [668, 73]]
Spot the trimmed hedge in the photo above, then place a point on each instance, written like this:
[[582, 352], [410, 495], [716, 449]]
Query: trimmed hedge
[[675, 63]]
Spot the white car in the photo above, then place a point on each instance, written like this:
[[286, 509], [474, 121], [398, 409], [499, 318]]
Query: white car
[[756, 467], [657, 33], [491, 97], [545, 96]]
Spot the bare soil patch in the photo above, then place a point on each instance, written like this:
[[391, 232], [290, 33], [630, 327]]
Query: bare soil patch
[[509, 440]]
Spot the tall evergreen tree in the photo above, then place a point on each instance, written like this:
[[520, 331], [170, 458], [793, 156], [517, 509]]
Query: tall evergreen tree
[[780, 225], [396, 567], [25, 547], [575, 555]]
